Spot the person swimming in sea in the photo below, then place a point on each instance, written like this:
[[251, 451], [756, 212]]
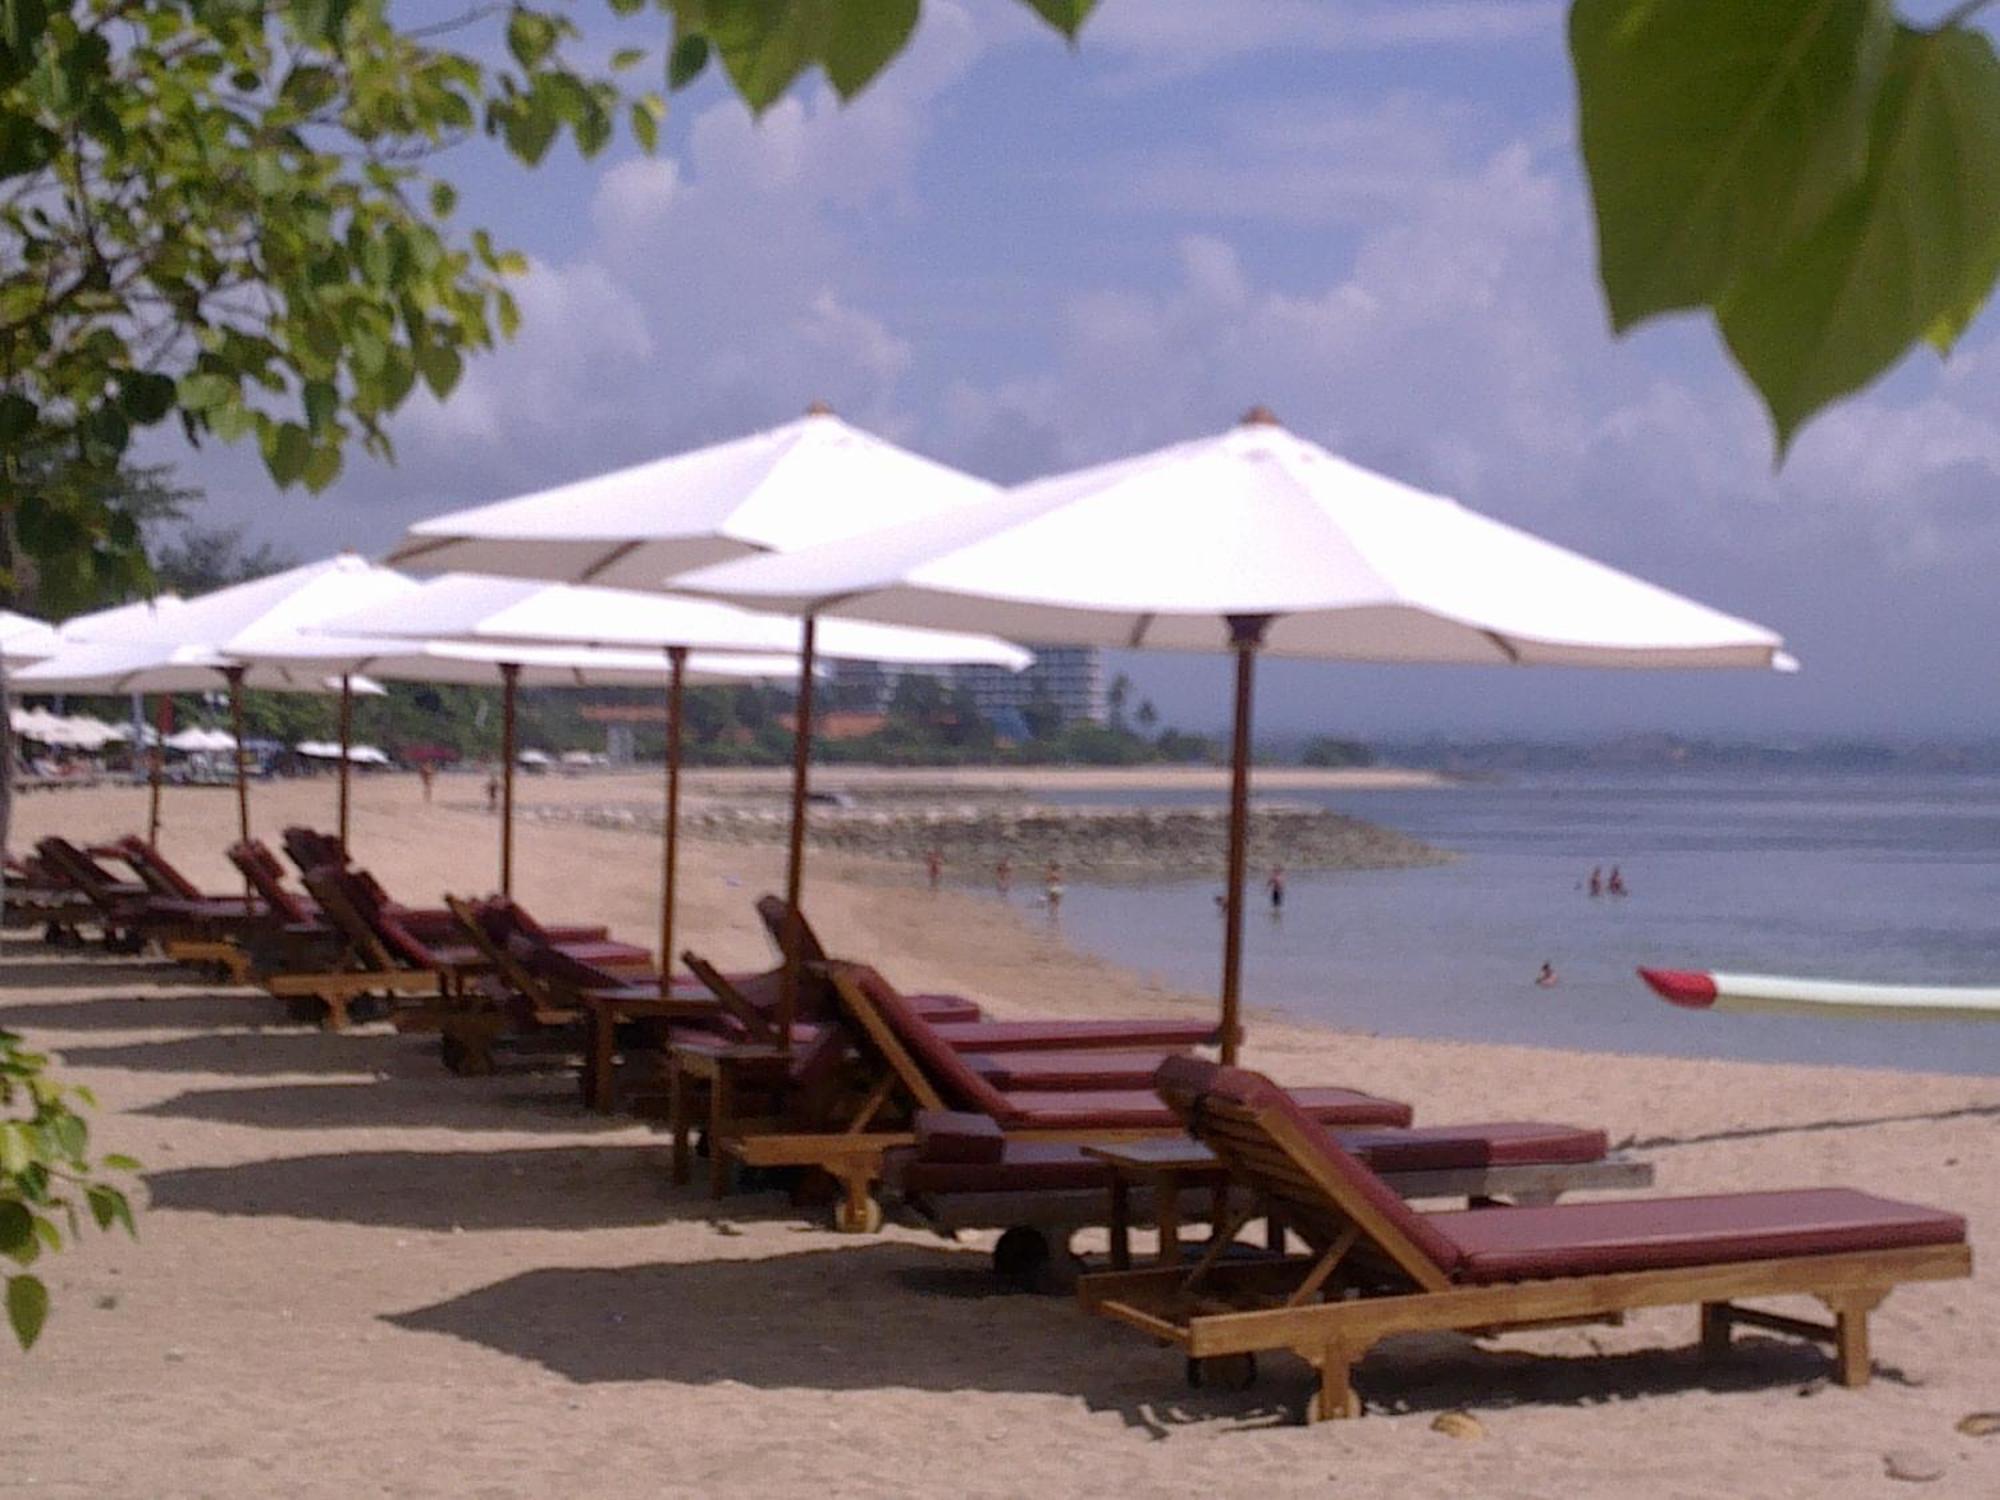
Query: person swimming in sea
[[1615, 884], [1596, 884], [1546, 979]]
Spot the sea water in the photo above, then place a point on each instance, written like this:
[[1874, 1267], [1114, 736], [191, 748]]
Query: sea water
[[1888, 878]]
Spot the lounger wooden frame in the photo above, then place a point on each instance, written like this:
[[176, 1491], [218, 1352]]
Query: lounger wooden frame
[[364, 967], [1310, 1307]]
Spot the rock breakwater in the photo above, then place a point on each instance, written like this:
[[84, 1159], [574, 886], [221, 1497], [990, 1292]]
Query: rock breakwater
[[1115, 843]]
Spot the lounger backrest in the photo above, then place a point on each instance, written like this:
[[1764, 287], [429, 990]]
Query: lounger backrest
[[157, 870], [894, 1026], [79, 868], [513, 973], [1268, 1142], [737, 1001], [336, 900], [267, 878], [791, 931], [309, 849]]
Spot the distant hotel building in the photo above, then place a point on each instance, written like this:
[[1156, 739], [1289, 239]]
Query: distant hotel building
[[1070, 677]]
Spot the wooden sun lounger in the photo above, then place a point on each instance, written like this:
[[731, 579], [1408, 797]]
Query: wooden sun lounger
[[906, 1067], [191, 926], [964, 1173], [362, 965], [1375, 1268], [544, 992], [121, 907]]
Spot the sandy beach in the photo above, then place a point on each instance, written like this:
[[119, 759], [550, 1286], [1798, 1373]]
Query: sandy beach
[[358, 1275]]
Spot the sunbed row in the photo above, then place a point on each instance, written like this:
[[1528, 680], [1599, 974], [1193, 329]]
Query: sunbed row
[[926, 1105]]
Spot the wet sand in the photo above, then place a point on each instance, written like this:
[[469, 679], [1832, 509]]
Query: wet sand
[[359, 1275]]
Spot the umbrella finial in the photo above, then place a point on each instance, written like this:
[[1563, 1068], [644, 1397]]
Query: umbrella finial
[[1261, 416], [820, 409]]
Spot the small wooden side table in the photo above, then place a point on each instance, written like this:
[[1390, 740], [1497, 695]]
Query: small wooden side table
[[726, 1070], [1167, 1165], [603, 1010]]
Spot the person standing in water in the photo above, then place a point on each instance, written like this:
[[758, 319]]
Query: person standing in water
[[1003, 875], [1597, 881], [1547, 978], [1616, 883], [1275, 886], [1052, 886], [934, 865]]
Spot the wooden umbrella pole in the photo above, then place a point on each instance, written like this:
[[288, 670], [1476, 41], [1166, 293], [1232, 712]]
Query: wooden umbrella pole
[[1246, 634], [156, 764], [346, 745], [235, 676], [510, 674], [671, 834], [795, 854]]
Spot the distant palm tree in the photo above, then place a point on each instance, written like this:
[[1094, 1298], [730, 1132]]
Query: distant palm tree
[[1148, 715]]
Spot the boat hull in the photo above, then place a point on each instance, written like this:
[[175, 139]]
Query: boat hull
[[1716, 990]]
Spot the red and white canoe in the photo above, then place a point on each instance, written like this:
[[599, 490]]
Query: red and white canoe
[[1824, 997]]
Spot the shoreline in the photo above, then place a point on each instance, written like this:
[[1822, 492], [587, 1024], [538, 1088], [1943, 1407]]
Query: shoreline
[[357, 1274]]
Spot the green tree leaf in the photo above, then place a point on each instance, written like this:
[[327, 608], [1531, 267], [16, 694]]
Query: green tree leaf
[[1067, 16], [1913, 247], [27, 1308], [17, 1230], [1714, 131], [863, 39], [686, 62]]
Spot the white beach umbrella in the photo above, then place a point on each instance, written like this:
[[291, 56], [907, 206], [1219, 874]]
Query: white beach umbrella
[[24, 638], [485, 610], [171, 645], [807, 482], [198, 740], [1254, 540], [477, 663]]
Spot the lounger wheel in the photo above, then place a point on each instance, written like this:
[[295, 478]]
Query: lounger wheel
[[1222, 1372], [1021, 1258], [849, 1218]]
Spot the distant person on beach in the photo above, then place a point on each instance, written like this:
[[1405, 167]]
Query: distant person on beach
[[1276, 887], [1597, 881], [493, 791], [425, 771], [1615, 884], [1547, 978], [1052, 886], [1003, 875], [934, 865]]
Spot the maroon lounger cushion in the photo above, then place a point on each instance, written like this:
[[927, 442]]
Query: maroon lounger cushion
[[1039, 1036], [1066, 1070], [949, 1135], [1033, 1166], [940, 1010], [1027, 1167], [1485, 1143], [1651, 1234], [1140, 1110]]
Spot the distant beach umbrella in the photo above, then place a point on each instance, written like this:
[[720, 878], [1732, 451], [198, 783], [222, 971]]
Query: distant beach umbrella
[[482, 663], [692, 634], [799, 485], [1253, 541]]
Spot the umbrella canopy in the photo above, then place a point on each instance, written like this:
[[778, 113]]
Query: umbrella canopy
[[24, 638], [480, 610], [477, 663], [195, 740], [134, 666], [486, 610], [806, 482], [1252, 540], [1163, 550]]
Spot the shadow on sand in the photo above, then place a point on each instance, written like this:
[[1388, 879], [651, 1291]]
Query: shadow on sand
[[865, 1318], [192, 1009], [572, 1187], [261, 1053], [429, 1100], [95, 972]]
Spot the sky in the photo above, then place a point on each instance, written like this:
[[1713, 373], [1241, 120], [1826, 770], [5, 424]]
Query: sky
[[1367, 215]]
